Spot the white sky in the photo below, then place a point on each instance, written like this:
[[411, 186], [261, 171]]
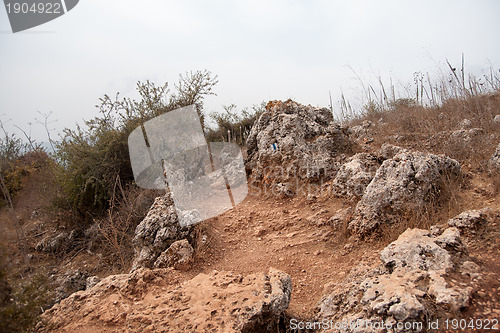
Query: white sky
[[261, 50]]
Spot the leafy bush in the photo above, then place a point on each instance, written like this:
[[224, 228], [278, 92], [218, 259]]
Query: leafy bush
[[93, 157]]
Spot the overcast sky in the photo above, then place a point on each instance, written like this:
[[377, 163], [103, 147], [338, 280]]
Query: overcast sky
[[260, 50]]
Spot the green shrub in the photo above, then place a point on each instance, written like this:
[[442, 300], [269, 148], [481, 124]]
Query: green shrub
[[93, 157]]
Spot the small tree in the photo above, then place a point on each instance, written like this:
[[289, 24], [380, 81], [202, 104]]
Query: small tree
[[94, 156]]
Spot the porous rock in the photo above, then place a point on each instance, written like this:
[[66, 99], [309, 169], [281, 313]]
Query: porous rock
[[293, 141], [470, 219], [156, 232], [217, 301], [407, 182], [494, 161], [179, 256], [58, 243], [410, 284], [354, 176]]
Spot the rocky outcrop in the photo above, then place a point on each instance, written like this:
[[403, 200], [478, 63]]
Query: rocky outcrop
[[494, 161], [57, 243], [70, 282], [410, 285], [355, 175], [291, 141], [152, 301], [466, 136], [470, 219], [404, 183], [159, 229], [179, 256], [362, 133]]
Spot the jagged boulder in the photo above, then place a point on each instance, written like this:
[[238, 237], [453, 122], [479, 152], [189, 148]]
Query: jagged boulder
[[354, 176], [291, 141], [407, 182], [91, 281], [470, 219], [70, 282], [494, 161], [157, 231], [57, 243], [153, 301], [466, 136], [179, 256], [411, 284]]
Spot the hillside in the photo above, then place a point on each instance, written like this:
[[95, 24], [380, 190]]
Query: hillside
[[393, 217]]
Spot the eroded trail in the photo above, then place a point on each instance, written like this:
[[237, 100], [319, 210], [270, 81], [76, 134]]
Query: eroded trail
[[291, 235]]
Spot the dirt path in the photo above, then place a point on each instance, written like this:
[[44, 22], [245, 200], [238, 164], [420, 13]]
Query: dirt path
[[290, 235]]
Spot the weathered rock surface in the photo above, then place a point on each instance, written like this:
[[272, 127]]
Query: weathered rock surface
[[494, 161], [466, 136], [292, 141], [91, 281], [470, 219], [354, 176], [159, 229], [363, 132], [58, 243], [410, 285], [179, 256], [407, 182], [152, 301], [70, 282], [465, 124]]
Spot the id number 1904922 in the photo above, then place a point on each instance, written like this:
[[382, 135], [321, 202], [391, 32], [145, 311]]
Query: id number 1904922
[[35, 8], [471, 324]]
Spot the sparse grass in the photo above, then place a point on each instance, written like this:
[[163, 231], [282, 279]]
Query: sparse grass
[[21, 304], [452, 115], [116, 230]]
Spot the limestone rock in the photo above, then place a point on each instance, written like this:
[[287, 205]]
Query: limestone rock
[[292, 141], [152, 300], [407, 182], [415, 249], [58, 243], [470, 219], [159, 229], [466, 136], [70, 282], [465, 124], [409, 285], [91, 281], [355, 175], [179, 256], [388, 151], [494, 161]]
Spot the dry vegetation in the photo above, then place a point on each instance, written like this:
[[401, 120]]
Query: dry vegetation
[[431, 121]]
